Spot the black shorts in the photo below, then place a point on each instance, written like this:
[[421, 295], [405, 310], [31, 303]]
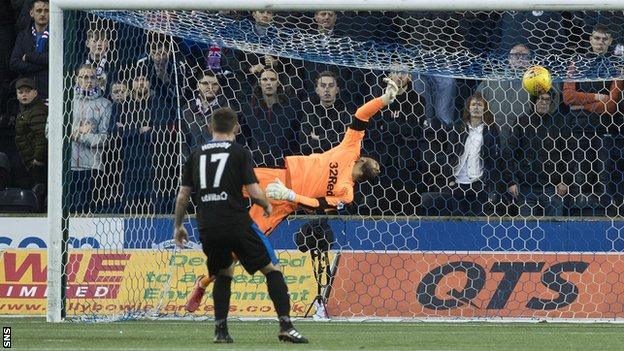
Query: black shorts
[[247, 242]]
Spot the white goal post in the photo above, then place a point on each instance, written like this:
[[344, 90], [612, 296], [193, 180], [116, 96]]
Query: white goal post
[[56, 99]]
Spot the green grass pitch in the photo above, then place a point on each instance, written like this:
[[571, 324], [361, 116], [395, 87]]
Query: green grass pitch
[[36, 334]]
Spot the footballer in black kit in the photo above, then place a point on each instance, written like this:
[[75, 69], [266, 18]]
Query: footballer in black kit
[[217, 172], [215, 175]]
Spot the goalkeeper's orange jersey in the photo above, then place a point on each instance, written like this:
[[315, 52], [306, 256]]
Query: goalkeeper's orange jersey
[[324, 179], [319, 180], [327, 175]]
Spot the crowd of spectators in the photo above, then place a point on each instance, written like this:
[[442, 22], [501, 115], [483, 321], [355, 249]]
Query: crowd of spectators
[[141, 101], [23, 92]]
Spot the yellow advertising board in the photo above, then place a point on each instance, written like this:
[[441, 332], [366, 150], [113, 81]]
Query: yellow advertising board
[[144, 281]]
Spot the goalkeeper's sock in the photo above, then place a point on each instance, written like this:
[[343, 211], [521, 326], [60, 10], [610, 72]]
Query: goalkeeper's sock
[[221, 292], [278, 291], [205, 281]]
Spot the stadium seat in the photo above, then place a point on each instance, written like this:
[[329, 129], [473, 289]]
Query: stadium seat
[[18, 201]]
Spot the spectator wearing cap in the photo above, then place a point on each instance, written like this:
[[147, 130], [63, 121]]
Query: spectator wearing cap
[[30, 54], [30, 137]]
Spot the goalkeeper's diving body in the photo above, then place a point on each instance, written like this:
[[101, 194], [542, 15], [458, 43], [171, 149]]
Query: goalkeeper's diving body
[[318, 181]]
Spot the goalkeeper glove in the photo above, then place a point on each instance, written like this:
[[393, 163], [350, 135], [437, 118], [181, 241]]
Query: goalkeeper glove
[[391, 91], [278, 191]]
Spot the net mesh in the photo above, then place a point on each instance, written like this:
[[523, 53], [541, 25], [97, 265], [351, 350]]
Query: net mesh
[[140, 87], [459, 44]]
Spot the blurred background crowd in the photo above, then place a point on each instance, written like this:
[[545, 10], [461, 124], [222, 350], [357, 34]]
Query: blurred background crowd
[[140, 102]]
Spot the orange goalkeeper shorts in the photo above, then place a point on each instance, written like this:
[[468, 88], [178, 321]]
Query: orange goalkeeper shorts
[[281, 209]]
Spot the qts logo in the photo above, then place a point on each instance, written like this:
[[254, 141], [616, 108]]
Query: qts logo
[[476, 277]]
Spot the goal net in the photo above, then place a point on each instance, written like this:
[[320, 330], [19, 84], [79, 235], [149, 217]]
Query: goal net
[[529, 228]]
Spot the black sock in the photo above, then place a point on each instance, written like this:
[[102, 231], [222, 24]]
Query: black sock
[[221, 325], [221, 292], [285, 323], [278, 291]]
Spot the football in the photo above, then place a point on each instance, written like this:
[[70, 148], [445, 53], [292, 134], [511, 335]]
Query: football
[[536, 80]]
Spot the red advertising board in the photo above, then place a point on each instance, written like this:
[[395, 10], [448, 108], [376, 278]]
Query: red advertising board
[[532, 285]]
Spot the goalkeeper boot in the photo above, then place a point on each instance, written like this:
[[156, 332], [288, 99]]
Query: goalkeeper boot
[[221, 335], [194, 300], [293, 336]]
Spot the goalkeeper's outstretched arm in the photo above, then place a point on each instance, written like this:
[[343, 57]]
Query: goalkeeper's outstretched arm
[[370, 108]]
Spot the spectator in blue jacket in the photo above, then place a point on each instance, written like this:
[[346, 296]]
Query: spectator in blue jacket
[[30, 54]]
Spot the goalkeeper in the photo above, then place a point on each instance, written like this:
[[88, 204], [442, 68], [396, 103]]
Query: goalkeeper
[[318, 181]]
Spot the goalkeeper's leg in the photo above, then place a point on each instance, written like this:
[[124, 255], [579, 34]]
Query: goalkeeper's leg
[[205, 281], [196, 296], [201, 283]]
